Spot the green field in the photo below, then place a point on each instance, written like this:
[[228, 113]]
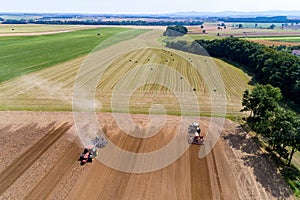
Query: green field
[[35, 28], [278, 39], [253, 25], [292, 39], [204, 37], [245, 24], [24, 54]]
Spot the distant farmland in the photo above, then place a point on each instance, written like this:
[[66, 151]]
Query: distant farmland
[[261, 33], [24, 54], [279, 39], [35, 28]]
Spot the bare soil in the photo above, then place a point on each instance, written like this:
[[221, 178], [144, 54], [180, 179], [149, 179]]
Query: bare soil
[[276, 43], [40, 150]]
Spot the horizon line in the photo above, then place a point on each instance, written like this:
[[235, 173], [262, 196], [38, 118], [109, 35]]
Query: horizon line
[[148, 13]]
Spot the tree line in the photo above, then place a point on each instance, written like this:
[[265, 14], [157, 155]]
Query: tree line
[[99, 22], [275, 19], [285, 48], [279, 127], [269, 66]]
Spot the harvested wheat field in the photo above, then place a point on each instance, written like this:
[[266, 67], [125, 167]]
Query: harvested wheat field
[[140, 71], [41, 162]]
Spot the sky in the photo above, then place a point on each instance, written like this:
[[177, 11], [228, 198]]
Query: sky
[[144, 6]]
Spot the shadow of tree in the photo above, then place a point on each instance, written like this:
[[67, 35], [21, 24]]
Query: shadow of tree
[[265, 169]]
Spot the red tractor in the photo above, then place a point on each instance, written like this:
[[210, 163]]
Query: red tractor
[[91, 151], [195, 136], [88, 155]]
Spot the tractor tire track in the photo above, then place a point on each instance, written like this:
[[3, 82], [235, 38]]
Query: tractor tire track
[[217, 175], [9, 175], [44, 188], [200, 177]]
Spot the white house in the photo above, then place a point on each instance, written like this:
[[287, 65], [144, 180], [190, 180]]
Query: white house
[[296, 52]]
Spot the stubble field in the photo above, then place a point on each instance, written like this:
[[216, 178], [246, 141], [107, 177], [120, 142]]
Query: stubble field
[[52, 88]]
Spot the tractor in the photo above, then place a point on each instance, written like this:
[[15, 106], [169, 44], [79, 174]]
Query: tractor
[[194, 136], [88, 155], [91, 151]]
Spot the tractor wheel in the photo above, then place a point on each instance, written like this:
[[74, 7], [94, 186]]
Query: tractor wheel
[[81, 157], [85, 150]]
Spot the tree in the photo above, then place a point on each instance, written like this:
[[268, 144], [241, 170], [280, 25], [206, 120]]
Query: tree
[[248, 104], [296, 90], [281, 128], [294, 138], [280, 124], [240, 25], [263, 98], [272, 26], [174, 31]]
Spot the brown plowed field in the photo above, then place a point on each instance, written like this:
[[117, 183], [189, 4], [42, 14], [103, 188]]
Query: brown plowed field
[[275, 43], [47, 167], [24, 161], [46, 185]]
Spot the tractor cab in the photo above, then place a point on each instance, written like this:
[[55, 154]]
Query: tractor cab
[[194, 127], [88, 155], [194, 134], [91, 151]]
